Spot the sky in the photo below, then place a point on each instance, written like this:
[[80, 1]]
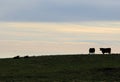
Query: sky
[[49, 27]]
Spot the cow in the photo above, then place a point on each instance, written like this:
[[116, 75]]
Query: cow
[[105, 50], [91, 50]]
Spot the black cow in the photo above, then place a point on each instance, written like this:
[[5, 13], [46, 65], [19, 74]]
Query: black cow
[[105, 50], [91, 50]]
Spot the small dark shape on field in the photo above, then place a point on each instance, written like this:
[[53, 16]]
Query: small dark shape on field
[[26, 56], [16, 57]]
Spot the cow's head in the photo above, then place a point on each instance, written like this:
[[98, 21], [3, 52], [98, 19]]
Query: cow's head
[[101, 49]]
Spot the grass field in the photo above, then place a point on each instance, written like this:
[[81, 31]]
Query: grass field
[[65, 68]]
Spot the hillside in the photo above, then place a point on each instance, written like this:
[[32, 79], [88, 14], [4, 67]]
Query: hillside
[[65, 68]]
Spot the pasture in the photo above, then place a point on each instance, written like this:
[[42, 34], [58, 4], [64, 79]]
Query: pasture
[[61, 68]]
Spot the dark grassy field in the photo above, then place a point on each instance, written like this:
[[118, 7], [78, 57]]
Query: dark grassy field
[[67, 68]]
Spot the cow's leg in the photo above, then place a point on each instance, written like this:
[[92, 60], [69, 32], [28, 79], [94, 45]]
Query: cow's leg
[[103, 53]]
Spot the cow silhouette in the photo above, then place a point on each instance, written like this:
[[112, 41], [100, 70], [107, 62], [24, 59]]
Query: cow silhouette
[[105, 50], [91, 50]]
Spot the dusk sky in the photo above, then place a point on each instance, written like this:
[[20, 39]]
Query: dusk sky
[[49, 27]]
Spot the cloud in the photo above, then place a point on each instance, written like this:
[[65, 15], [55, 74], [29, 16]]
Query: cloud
[[59, 10], [56, 32], [30, 38]]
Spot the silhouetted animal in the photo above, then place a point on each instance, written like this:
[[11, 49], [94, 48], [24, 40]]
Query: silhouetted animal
[[16, 57], [91, 50], [105, 50]]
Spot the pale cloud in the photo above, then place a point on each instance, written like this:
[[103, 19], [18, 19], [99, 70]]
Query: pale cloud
[[30, 38], [61, 27], [57, 32]]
